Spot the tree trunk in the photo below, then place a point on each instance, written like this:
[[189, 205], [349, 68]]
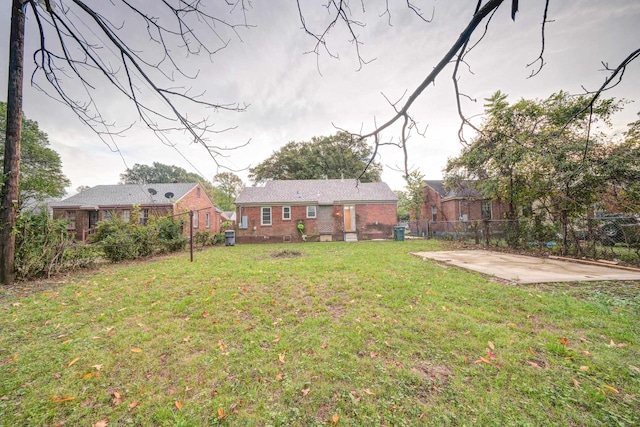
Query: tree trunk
[[11, 175]]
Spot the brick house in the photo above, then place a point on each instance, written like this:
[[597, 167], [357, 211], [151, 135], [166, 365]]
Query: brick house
[[331, 209], [102, 202], [461, 204]]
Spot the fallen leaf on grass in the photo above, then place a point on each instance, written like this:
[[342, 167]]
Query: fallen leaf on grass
[[324, 345], [305, 391], [222, 345], [73, 361], [178, 404], [483, 360], [117, 399], [136, 350], [367, 391], [634, 369], [564, 341], [133, 404], [221, 414], [467, 332], [612, 389], [584, 368], [277, 338], [619, 345], [281, 357], [491, 354], [586, 353], [98, 367], [533, 364], [101, 423], [335, 419], [491, 346], [279, 377], [62, 399], [87, 376], [575, 383], [445, 308]]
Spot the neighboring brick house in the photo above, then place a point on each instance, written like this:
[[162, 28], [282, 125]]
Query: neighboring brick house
[[331, 209], [84, 210], [462, 204]]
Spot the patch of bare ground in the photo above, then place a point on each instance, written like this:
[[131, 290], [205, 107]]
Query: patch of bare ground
[[434, 378]]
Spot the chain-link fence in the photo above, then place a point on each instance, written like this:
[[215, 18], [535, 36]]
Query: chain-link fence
[[606, 237]]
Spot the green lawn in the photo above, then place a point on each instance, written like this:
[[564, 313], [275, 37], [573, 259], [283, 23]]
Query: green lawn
[[316, 334]]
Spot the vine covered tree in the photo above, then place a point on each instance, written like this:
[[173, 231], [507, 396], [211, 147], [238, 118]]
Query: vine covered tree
[[159, 173], [326, 157]]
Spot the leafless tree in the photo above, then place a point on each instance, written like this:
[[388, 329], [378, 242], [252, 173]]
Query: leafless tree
[[340, 13], [85, 46]]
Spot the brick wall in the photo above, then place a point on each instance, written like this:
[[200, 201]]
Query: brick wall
[[197, 200], [373, 221]]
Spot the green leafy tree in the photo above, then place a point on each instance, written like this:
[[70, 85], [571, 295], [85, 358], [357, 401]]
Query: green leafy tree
[[538, 152], [41, 174], [403, 205], [159, 173], [330, 157], [414, 191], [228, 185]]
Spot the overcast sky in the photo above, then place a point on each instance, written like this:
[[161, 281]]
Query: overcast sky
[[294, 96]]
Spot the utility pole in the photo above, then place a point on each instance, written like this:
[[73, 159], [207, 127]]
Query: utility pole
[[10, 178]]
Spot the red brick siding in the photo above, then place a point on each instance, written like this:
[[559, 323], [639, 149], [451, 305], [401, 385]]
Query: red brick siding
[[372, 221], [203, 205]]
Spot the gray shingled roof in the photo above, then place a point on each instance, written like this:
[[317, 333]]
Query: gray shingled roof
[[465, 189], [320, 191], [126, 195]]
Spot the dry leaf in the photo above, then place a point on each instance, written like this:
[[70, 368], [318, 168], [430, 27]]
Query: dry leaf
[[491, 346], [221, 414], [101, 423], [445, 308], [483, 360], [305, 391], [117, 399], [533, 364], [178, 404], [387, 344], [279, 377], [586, 353], [222, 345], [367, 391], [136, 350], [584, 368], [281, 358], [564, 341], [324, 345], [634, 369], [87, 376], [335, 419], [98, 367], [612, 389], [491, 354], [277, 338], [205, 314], [62, 399], [575, 383], [467, 332], [133, 404], [73, 361]]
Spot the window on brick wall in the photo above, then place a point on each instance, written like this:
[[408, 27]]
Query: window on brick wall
[[311, 211], [71, 216], [195, 219], [286, 212], [207, 220], [144, 216], [126, 215], [108, 215], [434, 213], [265, 217], [486, 209]]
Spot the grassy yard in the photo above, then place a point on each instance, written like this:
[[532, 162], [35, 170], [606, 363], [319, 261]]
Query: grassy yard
[[316, 334]]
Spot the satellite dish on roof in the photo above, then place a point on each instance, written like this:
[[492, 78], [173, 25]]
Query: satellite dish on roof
[[168, 195], [152, 191]]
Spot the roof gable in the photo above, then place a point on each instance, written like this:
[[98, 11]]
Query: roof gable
[[317, 191], [128, 194], [464, 189]]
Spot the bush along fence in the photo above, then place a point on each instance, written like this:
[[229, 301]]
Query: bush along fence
[[611, 238], [45, 247]]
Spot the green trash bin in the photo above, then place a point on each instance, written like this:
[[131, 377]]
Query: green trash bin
[[398, 233]]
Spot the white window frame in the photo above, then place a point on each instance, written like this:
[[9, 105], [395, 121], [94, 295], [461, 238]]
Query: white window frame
[[315, 211], [263, 210], [195, 219], [434, 213], [144, 217], [207, 220], [126, 215], [482, 205], [286, 209]]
